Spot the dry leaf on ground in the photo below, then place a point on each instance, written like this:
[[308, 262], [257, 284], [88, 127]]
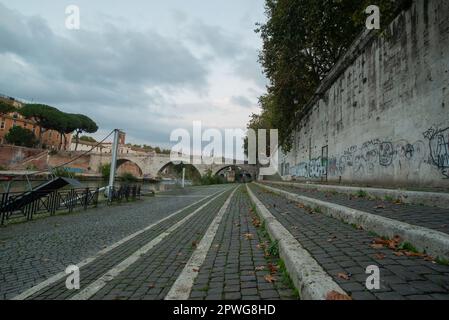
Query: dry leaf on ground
[[334, 295], [273, 268], [379, 256], [269, 278], [248, 236], [343, 276]]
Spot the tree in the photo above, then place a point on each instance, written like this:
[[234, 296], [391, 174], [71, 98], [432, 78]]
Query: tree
[[46, 117], [87, 125], [6, 108], [302, 41], [87, 138], [21, 137]]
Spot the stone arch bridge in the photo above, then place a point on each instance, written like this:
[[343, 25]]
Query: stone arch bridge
[[151, 165]]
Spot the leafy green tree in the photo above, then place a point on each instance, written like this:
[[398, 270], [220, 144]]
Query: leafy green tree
[[6, 108], [87, 125], [46, 117], [105, 170], [21, 137], [302, 41], [87, 138]]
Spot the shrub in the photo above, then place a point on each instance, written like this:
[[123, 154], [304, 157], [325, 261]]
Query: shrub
[[128, 177], [105, 170], [21, 137]]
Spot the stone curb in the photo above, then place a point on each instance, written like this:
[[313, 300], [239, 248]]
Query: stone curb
[[312, 282], [433, 242], [433, 199]]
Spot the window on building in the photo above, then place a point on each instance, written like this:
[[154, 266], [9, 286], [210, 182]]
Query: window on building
[[2, 124]]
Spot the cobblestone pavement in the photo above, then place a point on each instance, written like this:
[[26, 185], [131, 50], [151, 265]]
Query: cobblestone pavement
[[235, 266], [153, 274], [345, 252], [33, 251], [420, 215]]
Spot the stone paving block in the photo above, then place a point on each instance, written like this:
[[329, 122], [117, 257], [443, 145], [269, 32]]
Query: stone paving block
[[240, 256], [400, 277]]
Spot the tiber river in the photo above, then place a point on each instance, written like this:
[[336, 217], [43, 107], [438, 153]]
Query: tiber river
[[19, 186]]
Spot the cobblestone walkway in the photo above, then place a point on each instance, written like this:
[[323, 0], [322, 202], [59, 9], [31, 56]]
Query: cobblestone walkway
[[420, 215], [34, 251], [236, 266], [345, 252]]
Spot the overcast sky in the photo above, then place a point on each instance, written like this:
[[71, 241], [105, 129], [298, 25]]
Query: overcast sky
[[144, 66]]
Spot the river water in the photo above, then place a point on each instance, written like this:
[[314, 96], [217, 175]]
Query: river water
[[20, 186]]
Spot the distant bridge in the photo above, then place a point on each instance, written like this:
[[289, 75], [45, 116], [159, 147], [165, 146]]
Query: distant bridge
[[151, 165]]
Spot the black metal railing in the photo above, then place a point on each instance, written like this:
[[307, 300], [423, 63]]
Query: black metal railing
[[28, 204], [125, 192], [45, 202]]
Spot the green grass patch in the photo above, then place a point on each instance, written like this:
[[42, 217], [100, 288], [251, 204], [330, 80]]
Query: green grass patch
[[442, 261], [273, 248], [361, 194], [389, 198], [407, 246]]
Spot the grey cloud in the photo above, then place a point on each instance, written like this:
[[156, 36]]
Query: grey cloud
[[242, 101], [112, 60]]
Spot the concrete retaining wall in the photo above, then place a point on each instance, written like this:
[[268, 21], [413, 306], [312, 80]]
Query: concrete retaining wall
[[384, 119]]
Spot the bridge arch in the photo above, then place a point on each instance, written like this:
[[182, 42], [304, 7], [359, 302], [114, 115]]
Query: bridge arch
[[193, 168], [244, 173], [127, 165]]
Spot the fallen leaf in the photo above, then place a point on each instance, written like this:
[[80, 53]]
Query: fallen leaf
[[398, 254], [269, 278], [151, 285], [414, 254], [380, 206], [332, 239], [379, 256], [273, 268], [300, 205], [343, 276], [196, 270], [260, 268], [334, 295], [248, 236], [376, 246], [195, 243]]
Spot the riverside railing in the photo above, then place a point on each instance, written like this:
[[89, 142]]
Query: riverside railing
[[61, 200]]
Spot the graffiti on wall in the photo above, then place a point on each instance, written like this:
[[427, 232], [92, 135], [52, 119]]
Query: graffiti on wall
[[376, 155], [314, 168], [370, 158], [439, 149]]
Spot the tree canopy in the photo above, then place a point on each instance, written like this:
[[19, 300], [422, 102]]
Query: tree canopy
[[21, 137], [302, 41], [6, 108], [50, 118]]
